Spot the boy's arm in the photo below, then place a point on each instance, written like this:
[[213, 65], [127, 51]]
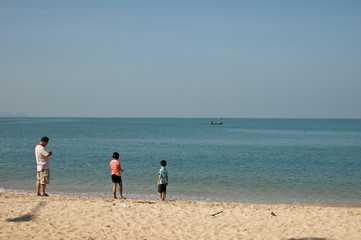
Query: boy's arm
[[167, 179], [159, 179], [120, 168]]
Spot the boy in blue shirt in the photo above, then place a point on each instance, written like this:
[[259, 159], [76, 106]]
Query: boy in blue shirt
[[162, 181]]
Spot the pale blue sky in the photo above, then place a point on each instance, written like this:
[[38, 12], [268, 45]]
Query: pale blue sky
[[294, 59]]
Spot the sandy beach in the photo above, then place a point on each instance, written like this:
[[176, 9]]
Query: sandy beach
[[26, 216]]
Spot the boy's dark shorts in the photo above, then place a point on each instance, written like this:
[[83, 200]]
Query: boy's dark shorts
[[116, 178], [162, 188]]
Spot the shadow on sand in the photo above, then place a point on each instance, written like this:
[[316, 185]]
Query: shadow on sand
[[27, 217]]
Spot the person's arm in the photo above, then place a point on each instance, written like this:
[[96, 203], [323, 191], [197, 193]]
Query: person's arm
[[45, 153], [167, 179], [160, 176], [120, 168]]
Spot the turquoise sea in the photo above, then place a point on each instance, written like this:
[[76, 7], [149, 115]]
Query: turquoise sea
[[277, 161]]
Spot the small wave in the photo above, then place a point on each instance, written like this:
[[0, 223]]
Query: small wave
[[10, 190]]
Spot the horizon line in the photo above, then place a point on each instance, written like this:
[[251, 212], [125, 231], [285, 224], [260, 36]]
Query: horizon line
[[164, 117]]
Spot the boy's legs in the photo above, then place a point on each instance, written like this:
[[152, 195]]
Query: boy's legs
[[162, 192], [121, 190], [115, 189]]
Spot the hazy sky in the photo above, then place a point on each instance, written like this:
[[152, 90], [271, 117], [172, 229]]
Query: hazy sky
[[181, 58]]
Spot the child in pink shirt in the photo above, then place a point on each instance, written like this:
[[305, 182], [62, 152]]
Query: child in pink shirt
[[116, 176]]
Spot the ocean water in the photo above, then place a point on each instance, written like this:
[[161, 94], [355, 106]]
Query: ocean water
[[277, 161]]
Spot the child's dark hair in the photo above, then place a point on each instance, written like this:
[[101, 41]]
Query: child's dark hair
[[163, 163], [44, 139], [116, 155]]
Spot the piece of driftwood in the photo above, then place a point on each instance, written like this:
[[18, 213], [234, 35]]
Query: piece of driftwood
[[217, 213]]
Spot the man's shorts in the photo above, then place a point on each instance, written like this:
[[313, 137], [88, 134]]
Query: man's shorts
[[162, 188], [43, 176], [116, 178]]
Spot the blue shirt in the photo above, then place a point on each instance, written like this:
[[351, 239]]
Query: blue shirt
[[163, 172]]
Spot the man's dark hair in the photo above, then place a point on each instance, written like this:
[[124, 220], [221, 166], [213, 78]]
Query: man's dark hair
[[163, 163], [44, 139], [116, 155]]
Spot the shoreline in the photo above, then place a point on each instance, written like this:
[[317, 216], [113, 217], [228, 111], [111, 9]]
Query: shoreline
[[170, 199], [86, 197], [25, 216]]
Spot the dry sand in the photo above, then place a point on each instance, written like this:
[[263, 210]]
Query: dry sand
[[59, 217]]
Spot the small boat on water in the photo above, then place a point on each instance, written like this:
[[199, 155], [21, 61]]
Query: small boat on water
[[216, 123]]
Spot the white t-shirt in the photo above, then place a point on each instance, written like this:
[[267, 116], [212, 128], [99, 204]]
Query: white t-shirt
[[42, 158]]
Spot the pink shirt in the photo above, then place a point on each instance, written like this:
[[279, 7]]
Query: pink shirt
[[115, 167], [42, 158]]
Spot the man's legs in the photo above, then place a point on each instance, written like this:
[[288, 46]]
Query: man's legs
[[43, 177], [43, 186], [37, 188]]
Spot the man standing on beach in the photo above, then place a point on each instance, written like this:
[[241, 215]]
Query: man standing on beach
[[42, 165]]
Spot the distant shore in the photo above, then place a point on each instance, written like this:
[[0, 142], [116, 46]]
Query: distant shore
[[11, 115], [25, 216]]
